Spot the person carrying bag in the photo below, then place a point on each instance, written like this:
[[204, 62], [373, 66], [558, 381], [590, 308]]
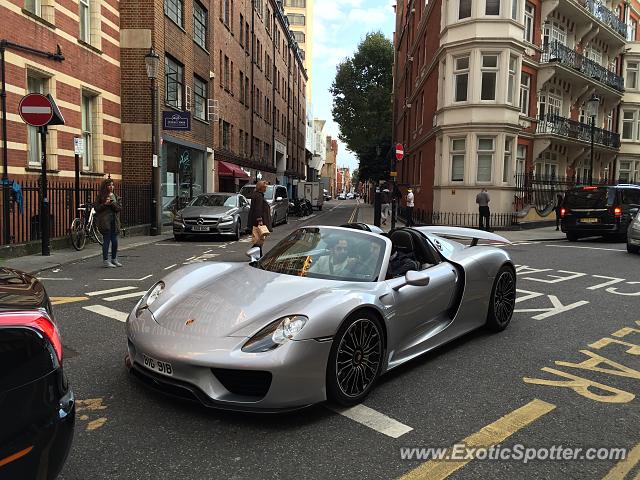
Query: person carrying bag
[[259, 216]]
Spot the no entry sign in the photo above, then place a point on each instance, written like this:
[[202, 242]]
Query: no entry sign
[[399, 151], [36, 110]]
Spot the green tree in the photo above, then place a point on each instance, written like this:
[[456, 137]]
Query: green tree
[[362, 105]]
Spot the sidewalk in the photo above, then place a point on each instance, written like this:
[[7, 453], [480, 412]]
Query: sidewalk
[[37, 263], [542, 234]]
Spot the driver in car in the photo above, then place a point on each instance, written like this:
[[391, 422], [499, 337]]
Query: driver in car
[[338, 262]]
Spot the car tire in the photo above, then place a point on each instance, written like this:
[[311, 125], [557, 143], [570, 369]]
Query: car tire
[[274, 222], [320, 208], [363, 362], [632, 248], [238, 232], [503, 299], [286, 218], [572, 237]]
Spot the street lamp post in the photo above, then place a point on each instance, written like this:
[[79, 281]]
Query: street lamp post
[[592, 111], [152, 60]]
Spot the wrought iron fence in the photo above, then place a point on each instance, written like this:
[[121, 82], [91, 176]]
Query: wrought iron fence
[[558, 52], [24, 215], [454, 219], [541, 191], [564, 127], [606, 16]]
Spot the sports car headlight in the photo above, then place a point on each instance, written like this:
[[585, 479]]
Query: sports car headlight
[[151, 296], [226, 219], [275, 334]]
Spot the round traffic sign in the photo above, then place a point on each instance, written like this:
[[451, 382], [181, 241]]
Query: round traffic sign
[[399, 151], [36, 109]]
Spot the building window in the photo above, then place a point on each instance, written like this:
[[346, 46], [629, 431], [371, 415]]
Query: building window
[[225, 14], [199, 98], [492, 7], [295, 3], [514, 9], [85, 21], [525, 91], [461, 78], [464, 9], [529, 15], [174, 81], [200, 25], [35, 84], [225, 135], [632, 76], [632, 26], [609, 125], [506, 165], [489, 76], [629, 122], [227, 73], [554, 32], [458, 151], [241, 39], [173, 9], [594, 54], [550, 103], [486, 151], [521, 159], [296, 19], [298, 36], [35, 7], [87, 131], [511, 83]]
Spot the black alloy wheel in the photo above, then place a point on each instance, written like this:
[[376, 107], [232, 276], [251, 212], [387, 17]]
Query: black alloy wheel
[[503, 299], [355, 360]]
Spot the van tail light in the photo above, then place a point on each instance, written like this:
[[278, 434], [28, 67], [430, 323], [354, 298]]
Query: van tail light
[[563, 212], [39, 321], [617, 212]]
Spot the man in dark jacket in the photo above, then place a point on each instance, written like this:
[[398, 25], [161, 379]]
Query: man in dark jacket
[[260, 212]]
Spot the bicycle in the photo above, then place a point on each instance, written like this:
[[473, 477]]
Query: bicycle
[[84, 226]]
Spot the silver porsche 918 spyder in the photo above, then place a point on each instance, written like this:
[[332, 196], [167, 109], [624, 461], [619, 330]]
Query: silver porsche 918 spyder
[[320, 316]]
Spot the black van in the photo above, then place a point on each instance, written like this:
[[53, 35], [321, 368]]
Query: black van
[[601, 210]]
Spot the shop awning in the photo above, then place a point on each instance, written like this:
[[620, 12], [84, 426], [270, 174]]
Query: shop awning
[[230, 170]]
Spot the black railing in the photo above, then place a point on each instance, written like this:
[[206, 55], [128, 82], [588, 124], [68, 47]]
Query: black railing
[[24, 216], [541, 191], [564, 127], [459, 219], [606, 16], [557, 52]]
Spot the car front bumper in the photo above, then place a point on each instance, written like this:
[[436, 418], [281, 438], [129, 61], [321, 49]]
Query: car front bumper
[[221, 228]]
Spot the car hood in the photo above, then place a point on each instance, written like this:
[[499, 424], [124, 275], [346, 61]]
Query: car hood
[[206, 211], [232, 299]]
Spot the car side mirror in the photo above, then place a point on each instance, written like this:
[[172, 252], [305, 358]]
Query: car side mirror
[[414, 278], [253, 254]]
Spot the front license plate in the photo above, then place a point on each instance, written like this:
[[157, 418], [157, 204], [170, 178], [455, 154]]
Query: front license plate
[[157, 365], [200, 228], [589, 220]]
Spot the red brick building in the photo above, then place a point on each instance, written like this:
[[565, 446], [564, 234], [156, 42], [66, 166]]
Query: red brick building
[[85, 86]]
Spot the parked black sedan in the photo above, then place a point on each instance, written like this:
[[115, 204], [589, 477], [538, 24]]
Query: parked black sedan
[[37, 406]]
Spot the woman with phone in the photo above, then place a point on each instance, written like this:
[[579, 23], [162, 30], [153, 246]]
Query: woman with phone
[[108, 208]]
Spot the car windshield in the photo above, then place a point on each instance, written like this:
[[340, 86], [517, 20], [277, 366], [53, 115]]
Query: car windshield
[[590, 197], [214, 201], [248, 190], [328, 253]]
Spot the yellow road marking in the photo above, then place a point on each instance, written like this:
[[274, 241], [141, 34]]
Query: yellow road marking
[[61, 300], [620, 470], [492, 434]]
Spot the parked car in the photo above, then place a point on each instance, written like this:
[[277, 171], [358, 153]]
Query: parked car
[[604, 211], [342, 196], [633, 235], [320, 316], [326, 194], [37, 405], [223, 213], [278, 199], [351, 195]]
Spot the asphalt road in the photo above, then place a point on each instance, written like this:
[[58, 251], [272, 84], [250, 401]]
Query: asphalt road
[[467, 390]]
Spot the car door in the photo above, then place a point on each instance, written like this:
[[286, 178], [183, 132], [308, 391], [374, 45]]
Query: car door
[[282, 206], [418, 313], [243, 211]]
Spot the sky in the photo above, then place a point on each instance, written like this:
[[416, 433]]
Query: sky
[[339, 26]]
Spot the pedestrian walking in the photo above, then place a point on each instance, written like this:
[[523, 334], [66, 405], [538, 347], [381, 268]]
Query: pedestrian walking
[[482, 199], [386, 205], [108, 206], [259, 214], [410, 204], [557, 208]]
